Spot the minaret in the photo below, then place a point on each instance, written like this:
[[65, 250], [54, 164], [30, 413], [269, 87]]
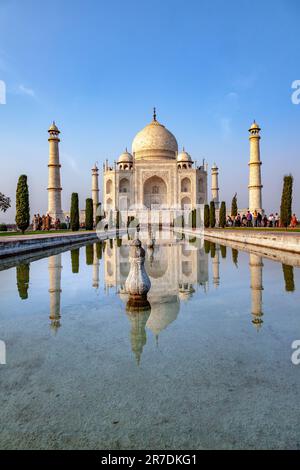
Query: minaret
[[256, 271], [54, 268], [255, 186], [216, 267], [95, 189], [54, 184], [215, 185]]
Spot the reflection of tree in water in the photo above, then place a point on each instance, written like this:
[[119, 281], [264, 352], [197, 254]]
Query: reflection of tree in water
[[22, 271], [89, 253], [75, 260], [288, 273], [223, 251], [99, 250], [212, 249], [207, 246], [235, 256]]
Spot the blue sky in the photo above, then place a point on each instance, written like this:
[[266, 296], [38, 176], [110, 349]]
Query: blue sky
[[97, 68]]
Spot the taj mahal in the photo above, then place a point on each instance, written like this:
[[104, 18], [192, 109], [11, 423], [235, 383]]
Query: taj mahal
[[154, 175]]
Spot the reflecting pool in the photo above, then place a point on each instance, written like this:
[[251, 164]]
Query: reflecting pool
[[208, 366]]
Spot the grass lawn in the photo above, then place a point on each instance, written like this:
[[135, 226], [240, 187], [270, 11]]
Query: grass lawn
[[38, 232]]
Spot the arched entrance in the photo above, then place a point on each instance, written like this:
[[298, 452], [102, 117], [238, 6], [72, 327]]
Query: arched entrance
[[186, 203], [155, 192]]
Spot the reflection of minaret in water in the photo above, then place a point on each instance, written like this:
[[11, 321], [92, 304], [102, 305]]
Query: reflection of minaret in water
[[216, 267], [54, 268], [95, 267], [256, 271], [138, 332]]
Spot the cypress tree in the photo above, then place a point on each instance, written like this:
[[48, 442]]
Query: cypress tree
[[89, 216], [74, 213], [22, 204], [234, 207], [75, 260], [206, 216], [22, 271], [222, 215], [286, 201], [212, 214], [288, 273]]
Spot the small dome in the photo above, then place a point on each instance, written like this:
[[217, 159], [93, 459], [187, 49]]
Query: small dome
[[125, 157], [154, 138], [254, 126], [184, 157], [53, 127]]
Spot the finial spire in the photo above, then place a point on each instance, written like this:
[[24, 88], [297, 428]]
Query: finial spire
[[154, 114]]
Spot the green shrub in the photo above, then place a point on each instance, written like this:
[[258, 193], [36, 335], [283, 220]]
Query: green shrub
[[3, 228]]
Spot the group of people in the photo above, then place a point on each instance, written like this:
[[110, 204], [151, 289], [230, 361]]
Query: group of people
[[44, 222], [256, 219]]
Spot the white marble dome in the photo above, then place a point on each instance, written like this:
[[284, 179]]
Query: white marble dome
[[125, 157], [154, 138], [184, 157]]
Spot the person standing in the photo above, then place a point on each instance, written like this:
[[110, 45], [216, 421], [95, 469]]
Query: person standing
[[249, 219], [294, 221], [255, 218]]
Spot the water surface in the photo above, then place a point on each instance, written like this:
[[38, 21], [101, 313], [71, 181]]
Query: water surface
[[209, 366]]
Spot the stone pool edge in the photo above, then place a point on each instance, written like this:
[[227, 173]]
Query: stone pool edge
[[278, 241], [41, 242]]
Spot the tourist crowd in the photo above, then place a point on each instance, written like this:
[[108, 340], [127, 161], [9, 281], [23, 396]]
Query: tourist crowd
[[44, 222], [256, 219]]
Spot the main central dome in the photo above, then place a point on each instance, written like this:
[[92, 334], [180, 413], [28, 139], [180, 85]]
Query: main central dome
[[154, 141]]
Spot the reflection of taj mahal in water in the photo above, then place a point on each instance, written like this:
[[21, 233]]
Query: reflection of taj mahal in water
[[176, 272]]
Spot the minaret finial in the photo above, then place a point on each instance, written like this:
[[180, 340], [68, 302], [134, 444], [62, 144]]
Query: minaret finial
[[154, 114]]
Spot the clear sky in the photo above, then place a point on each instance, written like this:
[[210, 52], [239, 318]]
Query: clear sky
[[98, 67]]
